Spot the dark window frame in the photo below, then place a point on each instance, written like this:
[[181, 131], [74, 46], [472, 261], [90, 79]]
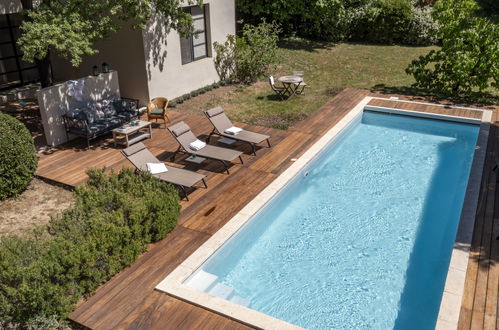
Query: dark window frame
[[17, 55], [190, 40]]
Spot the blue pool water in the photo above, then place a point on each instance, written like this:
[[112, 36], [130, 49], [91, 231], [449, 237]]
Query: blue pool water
[[362, 241]]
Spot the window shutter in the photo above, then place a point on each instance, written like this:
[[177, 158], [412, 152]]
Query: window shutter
[[186, 50]]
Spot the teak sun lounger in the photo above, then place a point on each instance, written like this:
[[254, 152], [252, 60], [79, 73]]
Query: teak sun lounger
[[184, 136], [221, 123], [139, 156]]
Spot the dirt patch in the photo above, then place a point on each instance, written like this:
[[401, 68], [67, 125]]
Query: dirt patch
[[35, 206]]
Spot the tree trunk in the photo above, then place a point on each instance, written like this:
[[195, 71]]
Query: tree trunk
[[27, 4], [44, 65], [45, 70]]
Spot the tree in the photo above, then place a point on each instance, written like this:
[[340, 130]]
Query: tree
[[320, 19], [469, 58], [71, 27]]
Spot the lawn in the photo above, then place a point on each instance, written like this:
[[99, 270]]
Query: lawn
[[327, 68]]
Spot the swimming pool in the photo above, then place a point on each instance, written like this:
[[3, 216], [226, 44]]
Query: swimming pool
[[361, 237]]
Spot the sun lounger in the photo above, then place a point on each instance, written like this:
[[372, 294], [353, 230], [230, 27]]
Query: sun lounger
[[140, 156], [222, 126], [184, 136]]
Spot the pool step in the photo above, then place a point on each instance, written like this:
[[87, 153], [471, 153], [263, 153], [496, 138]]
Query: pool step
[[207, 282], [202, 281], [240, 301], [223, 291]]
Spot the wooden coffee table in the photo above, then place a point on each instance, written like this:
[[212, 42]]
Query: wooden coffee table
[[131, 133]]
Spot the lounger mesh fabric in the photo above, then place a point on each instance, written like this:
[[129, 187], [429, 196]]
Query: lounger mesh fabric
[[134, 149], [221, 122], [215, 111], [139, 156], [179, 128]]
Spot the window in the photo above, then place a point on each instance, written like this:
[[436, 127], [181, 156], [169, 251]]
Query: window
[[196, 46], [13, 70]]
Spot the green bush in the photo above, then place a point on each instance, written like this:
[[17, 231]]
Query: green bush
[[423, 28], [466, 66], [248, 57], [384, 21], [114, 218], [18, 160]]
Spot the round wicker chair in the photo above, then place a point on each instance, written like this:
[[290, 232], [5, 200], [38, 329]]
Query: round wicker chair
[[157, 108]]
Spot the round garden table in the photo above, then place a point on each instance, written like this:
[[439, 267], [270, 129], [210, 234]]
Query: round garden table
[[291, 84]]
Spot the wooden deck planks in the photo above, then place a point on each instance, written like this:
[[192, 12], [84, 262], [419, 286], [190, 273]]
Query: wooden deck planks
[[479, 309], [426, 108], [129, 300]]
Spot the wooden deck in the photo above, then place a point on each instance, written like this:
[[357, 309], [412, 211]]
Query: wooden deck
[[129, 300]]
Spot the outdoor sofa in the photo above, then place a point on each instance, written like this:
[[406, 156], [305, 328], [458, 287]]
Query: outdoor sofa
[[97, 118]]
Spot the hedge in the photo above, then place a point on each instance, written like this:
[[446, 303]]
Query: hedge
[[18, 160], [114, 218], [179, 100]]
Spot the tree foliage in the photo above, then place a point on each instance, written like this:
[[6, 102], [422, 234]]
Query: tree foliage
[[384, 21], [71, 27], [469, 58]]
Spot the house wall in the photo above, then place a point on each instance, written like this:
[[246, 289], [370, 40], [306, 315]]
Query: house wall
[[10, 6], [166, 74], [124, 52]]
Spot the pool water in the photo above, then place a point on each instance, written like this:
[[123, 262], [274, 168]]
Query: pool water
[[362, 237]]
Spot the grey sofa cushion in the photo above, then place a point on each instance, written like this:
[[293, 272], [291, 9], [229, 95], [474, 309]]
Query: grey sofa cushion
[[90, 115], [76, 113], [122, 105]]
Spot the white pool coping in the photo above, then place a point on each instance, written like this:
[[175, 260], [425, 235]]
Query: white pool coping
[[454, 286]]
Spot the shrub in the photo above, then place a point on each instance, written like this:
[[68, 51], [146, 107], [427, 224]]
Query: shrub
[[225, 62], [18, 160], [467, 61], [248, 57], [384, 21], [423, 28], [113, 220]]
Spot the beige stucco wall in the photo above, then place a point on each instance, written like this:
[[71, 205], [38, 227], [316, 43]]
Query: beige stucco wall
[[124, 52], [166, 74], [10, 6]]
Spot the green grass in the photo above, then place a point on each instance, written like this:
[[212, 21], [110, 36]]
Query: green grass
[[327, 67]]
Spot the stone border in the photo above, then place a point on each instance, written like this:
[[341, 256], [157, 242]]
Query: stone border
[[173, 283]]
